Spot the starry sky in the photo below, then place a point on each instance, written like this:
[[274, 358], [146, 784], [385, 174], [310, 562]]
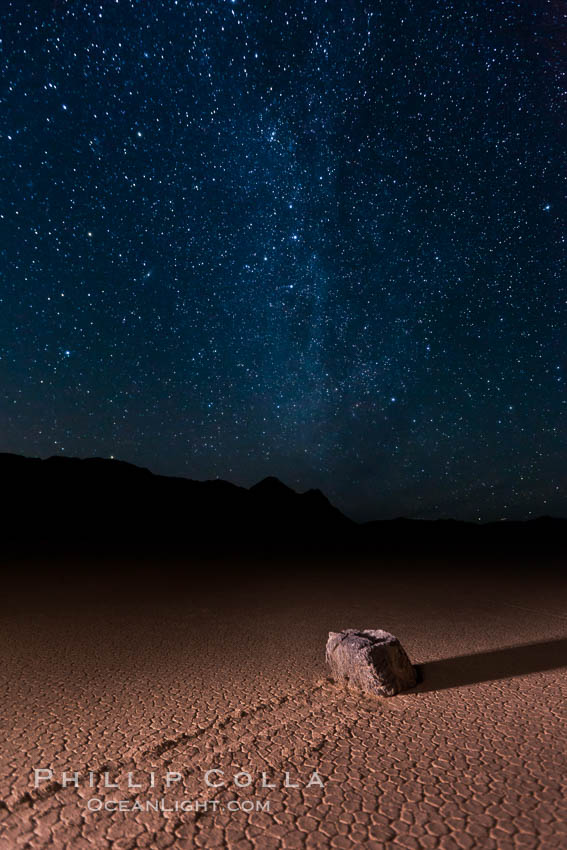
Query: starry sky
[[319, 240]]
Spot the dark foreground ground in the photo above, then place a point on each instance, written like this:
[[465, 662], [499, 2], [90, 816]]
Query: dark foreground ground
[[194, 668]]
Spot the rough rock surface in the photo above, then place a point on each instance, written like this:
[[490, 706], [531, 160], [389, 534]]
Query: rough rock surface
[[371, 659]]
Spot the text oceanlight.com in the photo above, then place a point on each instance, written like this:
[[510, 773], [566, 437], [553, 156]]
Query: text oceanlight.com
[[139, 782], [95, 804]]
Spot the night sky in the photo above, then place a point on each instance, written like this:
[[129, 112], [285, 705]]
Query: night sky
[[323, 241]]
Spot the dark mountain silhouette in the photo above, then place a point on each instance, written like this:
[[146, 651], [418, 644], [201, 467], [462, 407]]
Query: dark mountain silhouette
[[272, 486], [98, 506]]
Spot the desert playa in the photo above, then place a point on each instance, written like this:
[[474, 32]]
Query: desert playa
[[130, 677]]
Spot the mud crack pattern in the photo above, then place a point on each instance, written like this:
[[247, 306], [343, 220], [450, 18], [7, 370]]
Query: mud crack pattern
[[233, 681]]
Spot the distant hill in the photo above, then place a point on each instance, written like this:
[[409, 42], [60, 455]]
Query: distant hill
[[99, 506], [102, 505]]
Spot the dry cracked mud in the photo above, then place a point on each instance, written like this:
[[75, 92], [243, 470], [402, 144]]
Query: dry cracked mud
[[180, 673]]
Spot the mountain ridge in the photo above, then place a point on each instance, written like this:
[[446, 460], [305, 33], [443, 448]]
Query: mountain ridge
[[99, 503]]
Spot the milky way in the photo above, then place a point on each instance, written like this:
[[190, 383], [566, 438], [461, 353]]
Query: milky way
[[319, 240]]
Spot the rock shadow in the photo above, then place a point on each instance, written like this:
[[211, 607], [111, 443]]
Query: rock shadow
[[493, 665]]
